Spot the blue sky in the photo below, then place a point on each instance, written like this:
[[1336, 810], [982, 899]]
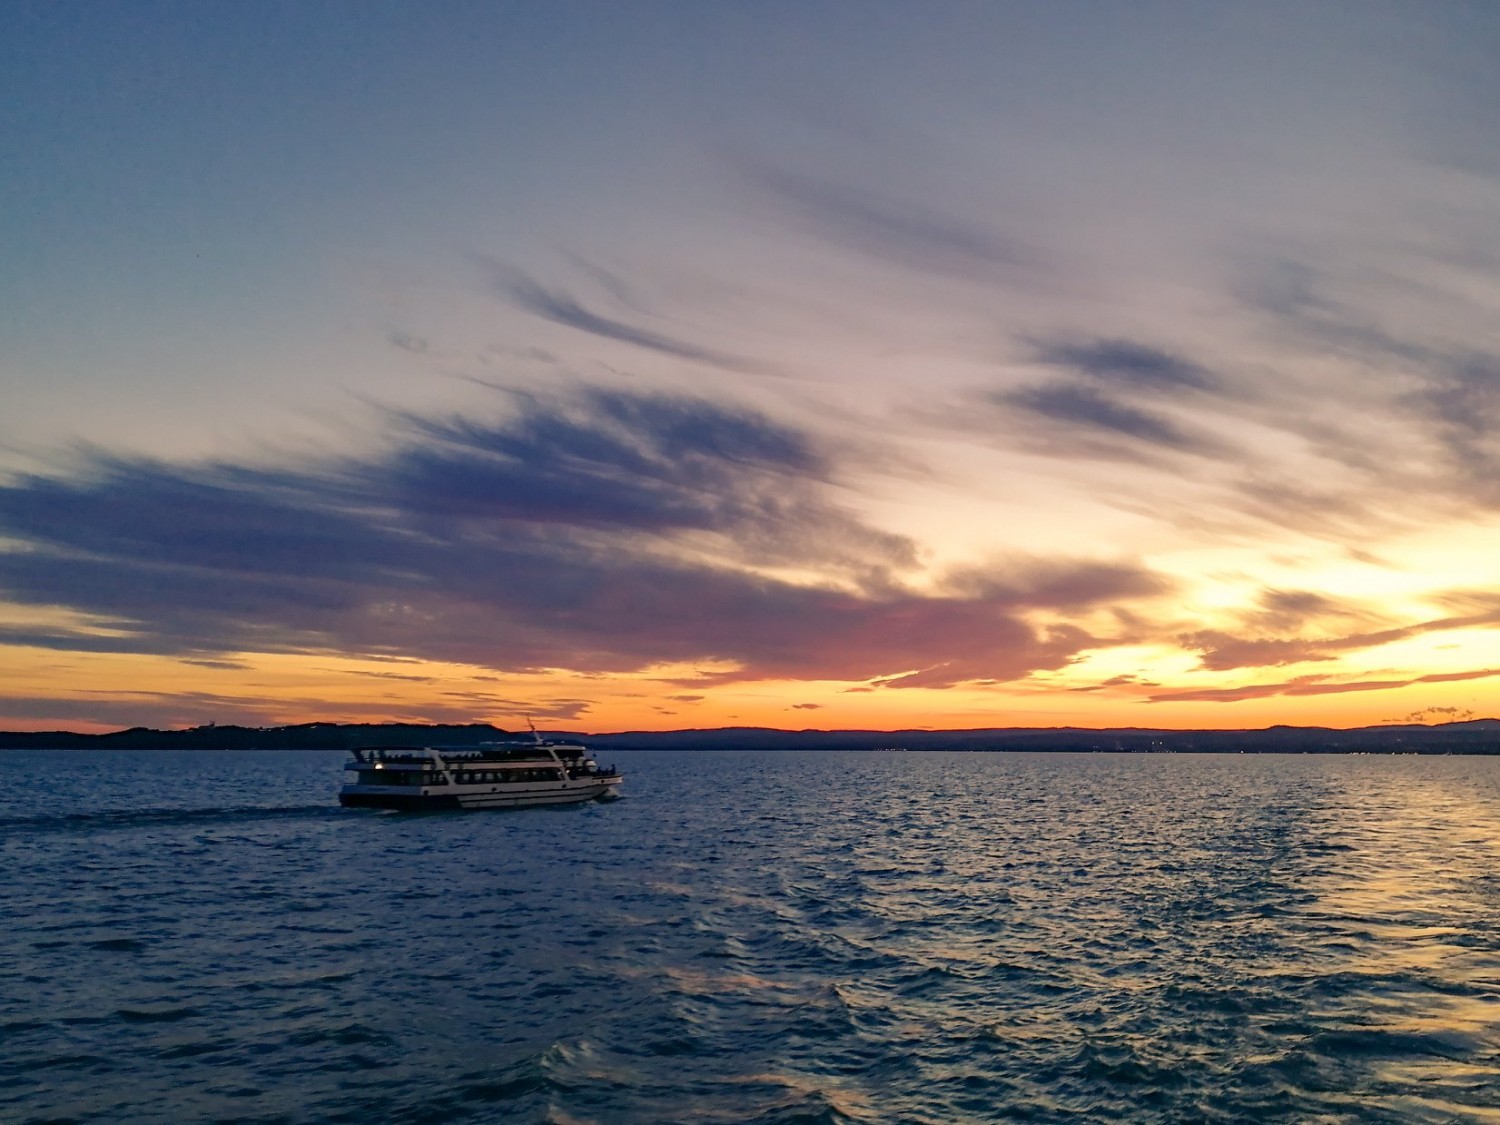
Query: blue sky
[[677, 364]]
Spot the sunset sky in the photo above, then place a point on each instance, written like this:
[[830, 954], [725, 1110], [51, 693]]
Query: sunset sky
[[664, 365]]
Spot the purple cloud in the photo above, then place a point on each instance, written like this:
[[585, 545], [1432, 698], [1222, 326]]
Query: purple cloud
[[609, 533]]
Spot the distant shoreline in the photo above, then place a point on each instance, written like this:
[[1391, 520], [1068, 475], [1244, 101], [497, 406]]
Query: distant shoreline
[[1476, 736]]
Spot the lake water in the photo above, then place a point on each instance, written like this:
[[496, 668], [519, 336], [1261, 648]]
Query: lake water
[[756, 938]]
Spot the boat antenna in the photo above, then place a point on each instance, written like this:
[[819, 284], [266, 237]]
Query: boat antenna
[[532, 724]]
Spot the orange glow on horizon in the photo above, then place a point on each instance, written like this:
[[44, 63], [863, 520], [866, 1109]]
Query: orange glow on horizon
[[275, 690]]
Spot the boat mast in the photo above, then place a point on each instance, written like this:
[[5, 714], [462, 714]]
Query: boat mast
[[552, 750]]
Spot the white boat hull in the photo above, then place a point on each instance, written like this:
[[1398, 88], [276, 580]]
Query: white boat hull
[[479, 796]]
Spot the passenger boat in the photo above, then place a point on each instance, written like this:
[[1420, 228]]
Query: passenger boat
[[491, 775]]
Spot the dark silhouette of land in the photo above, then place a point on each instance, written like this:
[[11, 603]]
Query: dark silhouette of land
[[1476, 736]]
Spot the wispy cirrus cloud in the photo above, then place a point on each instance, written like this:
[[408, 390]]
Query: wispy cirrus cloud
[[1083, 419], [1408, 408], [561, 307], [1029, 582], [898, 231], [1108, 399], [1127, 364], [1221, 650], [1314, 685]]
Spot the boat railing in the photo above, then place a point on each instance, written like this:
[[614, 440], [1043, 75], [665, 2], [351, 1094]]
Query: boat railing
[[494, 751]]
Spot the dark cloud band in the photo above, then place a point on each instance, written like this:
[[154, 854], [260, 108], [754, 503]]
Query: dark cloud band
[[608, 533]]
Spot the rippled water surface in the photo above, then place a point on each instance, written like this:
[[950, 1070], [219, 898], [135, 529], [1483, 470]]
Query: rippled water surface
[[756, 938]]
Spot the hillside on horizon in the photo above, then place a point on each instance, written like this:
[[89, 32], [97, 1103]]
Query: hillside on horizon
[[1472, 736]]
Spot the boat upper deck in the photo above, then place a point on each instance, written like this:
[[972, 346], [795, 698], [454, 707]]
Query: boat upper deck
[[498, 753]]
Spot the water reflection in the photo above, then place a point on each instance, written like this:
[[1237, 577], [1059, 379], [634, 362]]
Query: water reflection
[[1398, 946]]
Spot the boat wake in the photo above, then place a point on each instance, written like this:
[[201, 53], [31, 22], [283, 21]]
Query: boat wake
[[147, 818]]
